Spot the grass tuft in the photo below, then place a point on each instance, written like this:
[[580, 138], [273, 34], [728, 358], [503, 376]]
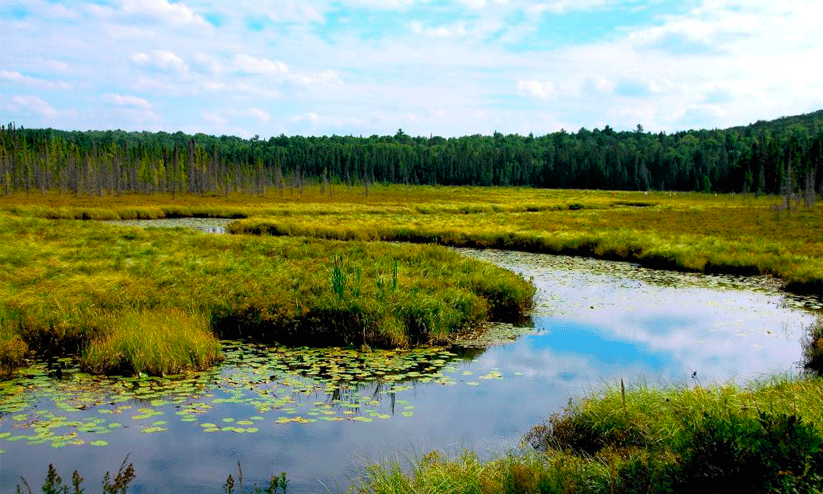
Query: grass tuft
[[155, 342], [13, 349]]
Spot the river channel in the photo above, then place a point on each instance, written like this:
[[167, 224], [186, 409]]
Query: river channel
[[320, 414]]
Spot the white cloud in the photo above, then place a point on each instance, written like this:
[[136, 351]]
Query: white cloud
[[259, 65], [283, 11], [14, 76], [36, 105], [214, 117], [261, 115], [378, 4], [57, 65], [597, 85], [208, 63], [315, 119], [535, 89], [456, 30], [563, 6], [325, 79], [225, 116], [131, 101], [160, 60], [156, 11], [390, 63]]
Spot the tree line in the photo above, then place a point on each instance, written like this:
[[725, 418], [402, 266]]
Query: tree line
[[781, 156]]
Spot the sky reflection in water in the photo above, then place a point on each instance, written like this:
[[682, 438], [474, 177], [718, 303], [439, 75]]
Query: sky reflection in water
[[594, 324]]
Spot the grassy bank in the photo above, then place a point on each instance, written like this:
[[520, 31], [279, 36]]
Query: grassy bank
[[692, 232], [114, 294], [700, 233], [765, 438]]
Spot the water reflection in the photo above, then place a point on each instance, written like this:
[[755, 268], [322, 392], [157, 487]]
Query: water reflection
[[207, 225], [319, 415]]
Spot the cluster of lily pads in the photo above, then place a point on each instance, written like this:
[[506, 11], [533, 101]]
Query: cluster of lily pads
[[54, 403]]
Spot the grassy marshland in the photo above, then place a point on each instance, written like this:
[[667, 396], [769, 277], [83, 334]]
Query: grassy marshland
[[691, 231], [695, 233], [65, 281], [766, 438], [154, 300]]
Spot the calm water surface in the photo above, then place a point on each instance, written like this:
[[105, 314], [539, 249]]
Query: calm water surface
[[319, 416]]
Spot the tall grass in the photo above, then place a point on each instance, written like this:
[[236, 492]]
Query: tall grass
[[685, 231], [765, 438], [157, 342], [13, 349], [68, 284], [716, 239]]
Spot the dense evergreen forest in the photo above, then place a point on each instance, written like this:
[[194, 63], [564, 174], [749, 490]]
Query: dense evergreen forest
[[780, 156]]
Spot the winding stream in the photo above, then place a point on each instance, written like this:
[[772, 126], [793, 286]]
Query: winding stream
[[319, 414]]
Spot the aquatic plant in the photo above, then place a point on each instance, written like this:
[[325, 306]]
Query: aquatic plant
[[54, 484], [277, 484]]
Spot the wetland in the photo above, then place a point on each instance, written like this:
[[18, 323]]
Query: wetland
[[304, 342], [320, 414]]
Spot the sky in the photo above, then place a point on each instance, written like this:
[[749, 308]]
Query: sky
[[429, 67]]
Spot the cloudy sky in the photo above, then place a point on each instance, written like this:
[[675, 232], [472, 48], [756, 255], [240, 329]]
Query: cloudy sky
[[442, 67]]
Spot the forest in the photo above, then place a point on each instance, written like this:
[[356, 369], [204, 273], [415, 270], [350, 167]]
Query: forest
[[776, 157]]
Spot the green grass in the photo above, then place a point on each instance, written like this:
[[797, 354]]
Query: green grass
[[82, 287], [739, 234], [13, 349], [157, 342], [703, 234], [764, 438]]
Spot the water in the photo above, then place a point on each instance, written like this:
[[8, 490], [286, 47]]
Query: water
[[320, 415], [206, 225]]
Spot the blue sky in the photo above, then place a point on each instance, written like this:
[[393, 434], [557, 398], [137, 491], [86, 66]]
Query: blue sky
[[442, 67]]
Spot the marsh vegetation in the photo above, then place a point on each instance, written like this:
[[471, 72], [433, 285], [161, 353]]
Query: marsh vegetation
[[233, 322]]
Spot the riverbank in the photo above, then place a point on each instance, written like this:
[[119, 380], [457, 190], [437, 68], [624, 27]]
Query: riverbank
[[762, 438], [113, 294]]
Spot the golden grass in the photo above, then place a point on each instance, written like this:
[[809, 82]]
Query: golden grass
[[64, 281], [156, 342]]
